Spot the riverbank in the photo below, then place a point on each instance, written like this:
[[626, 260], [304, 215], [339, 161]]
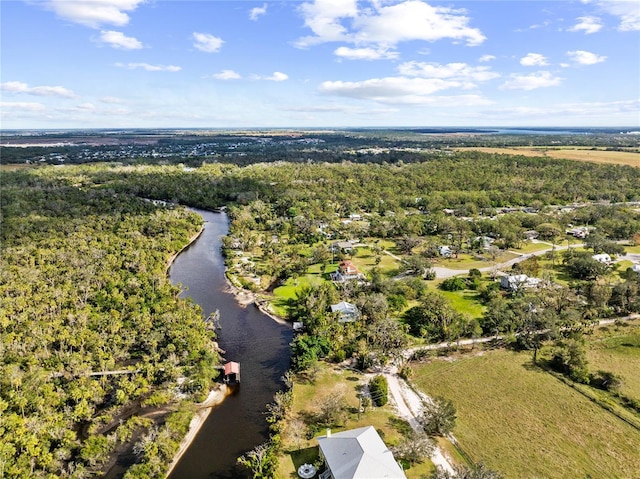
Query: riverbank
[[191, 240], [245, 298], [215, 397]]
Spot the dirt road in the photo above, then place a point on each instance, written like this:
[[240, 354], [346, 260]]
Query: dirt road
[[409, 405]]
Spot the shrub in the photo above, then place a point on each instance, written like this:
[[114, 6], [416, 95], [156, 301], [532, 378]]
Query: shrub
[[453, 284], [607, 381], [475, 273], [379, 389], [438, 416], [406, 372]]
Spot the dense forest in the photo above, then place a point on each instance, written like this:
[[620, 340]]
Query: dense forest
[[83, 286], [83, 291], [467, 180]]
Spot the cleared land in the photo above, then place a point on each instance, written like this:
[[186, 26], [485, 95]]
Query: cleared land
[[617, 349], [580, 154], [525, 423]]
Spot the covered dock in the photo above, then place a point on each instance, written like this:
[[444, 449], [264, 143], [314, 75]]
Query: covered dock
[[232, 373]]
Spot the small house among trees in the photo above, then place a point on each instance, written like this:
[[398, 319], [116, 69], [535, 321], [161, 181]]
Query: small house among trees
[[516, 282], [347, 312], [603, 258]]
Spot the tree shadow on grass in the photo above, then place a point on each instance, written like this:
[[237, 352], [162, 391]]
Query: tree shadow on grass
[[299, 457], [400, 425]]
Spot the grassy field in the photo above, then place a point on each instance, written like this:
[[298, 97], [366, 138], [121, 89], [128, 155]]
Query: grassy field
[[465, 302], [329, 381], [632, 249], [525, 423], [568, 153], [530, 247], [467, 261], [616, 348], [365, 260], [288, 290]]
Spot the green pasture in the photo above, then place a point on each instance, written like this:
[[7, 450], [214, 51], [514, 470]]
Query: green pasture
[[632, 249], [365, 260], [466, 261], [282, 294], [530, 247], [465, 302], [616, 348], [525, 423]]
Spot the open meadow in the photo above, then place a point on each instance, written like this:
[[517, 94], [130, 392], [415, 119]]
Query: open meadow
[[629, 158], [616, 348], [525, 423]]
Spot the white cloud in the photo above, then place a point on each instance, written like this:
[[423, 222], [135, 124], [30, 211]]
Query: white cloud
[[586, 58], [93, 13], [256, 12], [390, 89], [533, 60], [148, 67], [416, 20], [535, 26], [323, 18], [21, 87], [365, 53], [402, 91], [207, 43], [385, 25], [486, 58], [457, 71], [277, 76], [86, 107], [111, 100], [541, 79], [119, 40], [627, 11], [16, 106], [227, 75], [587, 24]]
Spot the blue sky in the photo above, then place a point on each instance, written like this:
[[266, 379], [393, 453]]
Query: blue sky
[[318, 63]]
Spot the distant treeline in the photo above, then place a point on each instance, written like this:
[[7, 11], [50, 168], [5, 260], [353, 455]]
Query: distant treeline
[[357, 145]]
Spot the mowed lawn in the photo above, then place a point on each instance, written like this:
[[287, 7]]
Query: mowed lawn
[[525, 423]]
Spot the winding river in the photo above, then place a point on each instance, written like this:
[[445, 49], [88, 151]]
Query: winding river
[[247, 336]]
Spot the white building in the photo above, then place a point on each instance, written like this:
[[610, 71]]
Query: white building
[[357, 454], [603, 258], [514, 282]]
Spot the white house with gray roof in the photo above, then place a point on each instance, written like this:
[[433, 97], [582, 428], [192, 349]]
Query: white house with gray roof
[[357, 454]]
